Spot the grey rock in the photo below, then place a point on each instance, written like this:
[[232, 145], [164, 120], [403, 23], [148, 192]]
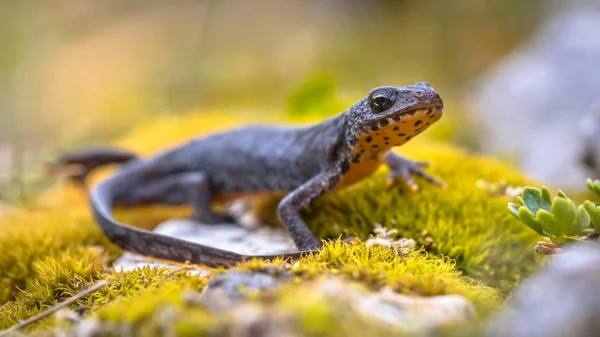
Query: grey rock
[[420, 313], [590, 131], [409, 314], [561, 300], [348, 306], [228, 289], [532, 104]]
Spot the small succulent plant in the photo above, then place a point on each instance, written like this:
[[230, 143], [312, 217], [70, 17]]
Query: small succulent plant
[[557, 219], [594, 186]]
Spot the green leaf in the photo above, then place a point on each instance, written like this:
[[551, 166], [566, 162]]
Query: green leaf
[[546, 198], [594, 212], [565, 213], [594, 186], [514, 209], [550, 227], [582, 221], [562, 195], [588, 231], [528, 219], [532, 199], [567, 240]]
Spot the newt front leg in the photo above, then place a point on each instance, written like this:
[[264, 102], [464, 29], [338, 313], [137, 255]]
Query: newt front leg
[[404, 169], [290, 207]]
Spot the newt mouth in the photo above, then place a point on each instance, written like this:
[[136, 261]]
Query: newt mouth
[[425, 115], [398, 115]]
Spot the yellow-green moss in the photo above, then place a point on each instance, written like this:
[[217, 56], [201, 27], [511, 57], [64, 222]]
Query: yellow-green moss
[[30, 238], [415, 274], [58, 282], [52, 249], [144, 310], [306, 309]]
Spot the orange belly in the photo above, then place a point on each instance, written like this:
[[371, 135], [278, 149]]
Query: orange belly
[[359, 171]]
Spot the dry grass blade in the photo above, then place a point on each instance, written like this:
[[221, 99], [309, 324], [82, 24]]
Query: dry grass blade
[[56, 308]]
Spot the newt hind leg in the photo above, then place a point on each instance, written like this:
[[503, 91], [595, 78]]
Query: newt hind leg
[[190, 188]]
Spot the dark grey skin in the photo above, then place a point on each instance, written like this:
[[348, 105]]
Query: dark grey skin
[[300, 163]]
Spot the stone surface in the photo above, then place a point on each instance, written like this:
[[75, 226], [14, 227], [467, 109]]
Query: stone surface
[[407, 313], [343, 305], [228, 289], [533, 103], [590, 130], [561, 300], [420, 313], [226, 236]]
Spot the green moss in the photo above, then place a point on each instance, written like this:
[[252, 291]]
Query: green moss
[[52, 249], [295, 304], [418, 273], [309, 309], [72, 274], [31, 237], [160, 307], [138, 299]]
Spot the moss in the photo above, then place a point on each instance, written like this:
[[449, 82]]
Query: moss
[[304, 310], [418, 273], [146, 310], [52, 249], [30, 238], [65, 280], [296, 305]]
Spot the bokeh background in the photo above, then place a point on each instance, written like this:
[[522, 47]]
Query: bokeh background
[[81, 72]]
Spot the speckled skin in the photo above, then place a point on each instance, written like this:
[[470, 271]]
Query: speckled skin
[[300, 163]]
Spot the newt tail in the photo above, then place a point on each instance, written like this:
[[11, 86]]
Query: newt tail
[[144, 242]]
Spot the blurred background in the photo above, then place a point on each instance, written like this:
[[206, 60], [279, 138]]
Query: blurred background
[[521, 79]]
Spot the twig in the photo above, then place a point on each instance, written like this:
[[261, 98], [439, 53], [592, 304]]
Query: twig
[[55, 308], [4, 305]]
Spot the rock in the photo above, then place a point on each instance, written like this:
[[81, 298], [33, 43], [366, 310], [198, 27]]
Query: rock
[[561, 300], [590, 131], [344, 306], [228, 289], [420, 313], [226, 236], [408, 313], [533, 102]]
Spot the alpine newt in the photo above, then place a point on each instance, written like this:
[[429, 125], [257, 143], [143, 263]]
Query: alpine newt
[[299, 163]]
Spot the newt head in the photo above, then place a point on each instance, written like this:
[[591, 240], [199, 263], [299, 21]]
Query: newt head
[[391, 116]]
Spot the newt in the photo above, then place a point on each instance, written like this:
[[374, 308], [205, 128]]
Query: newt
[[299, 163]]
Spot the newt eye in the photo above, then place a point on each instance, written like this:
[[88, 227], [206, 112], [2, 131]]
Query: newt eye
[[381, 101]]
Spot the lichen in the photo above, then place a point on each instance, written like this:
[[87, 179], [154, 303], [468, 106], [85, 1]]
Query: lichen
[[52, 248]]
